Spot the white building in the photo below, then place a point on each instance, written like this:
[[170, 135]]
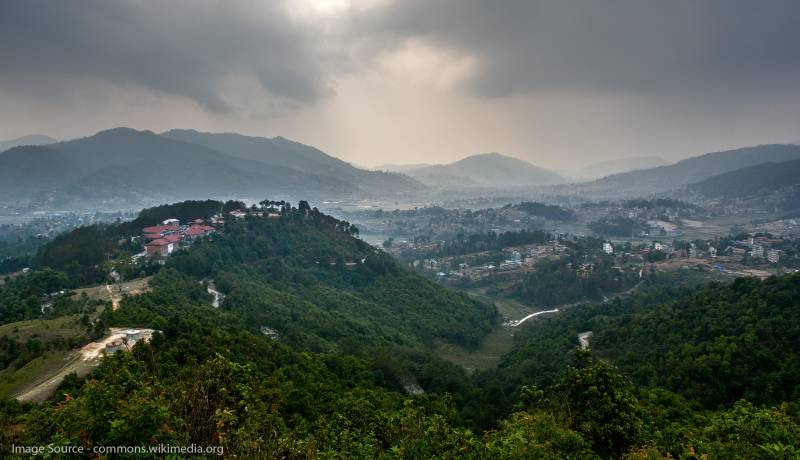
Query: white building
[[174, 222], [774, 256], [608, 248], [757, 251]]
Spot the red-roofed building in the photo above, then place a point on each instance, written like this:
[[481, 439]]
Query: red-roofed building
[[198, 231], [161, 246], [161, 229]]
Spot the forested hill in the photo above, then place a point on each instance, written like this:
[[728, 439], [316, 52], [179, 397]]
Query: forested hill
[[319, 350], [715, 345], [124, 167], [284, 153], [302, 274], [762, 178], [696, 169]]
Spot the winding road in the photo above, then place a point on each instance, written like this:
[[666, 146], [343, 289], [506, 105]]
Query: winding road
[[517, 323]]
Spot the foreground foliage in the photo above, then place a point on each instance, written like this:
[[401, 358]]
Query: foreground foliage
[[673, 371]]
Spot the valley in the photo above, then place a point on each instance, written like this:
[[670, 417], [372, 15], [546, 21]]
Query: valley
[[399, 230]]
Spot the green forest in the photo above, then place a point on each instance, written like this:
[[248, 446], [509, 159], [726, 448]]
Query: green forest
[[674, 370]]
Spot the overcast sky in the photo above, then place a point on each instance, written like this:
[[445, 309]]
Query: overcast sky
[[559, 83]]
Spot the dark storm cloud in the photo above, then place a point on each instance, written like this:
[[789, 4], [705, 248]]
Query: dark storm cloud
[[187, 47], [627, 46], [179, 47]]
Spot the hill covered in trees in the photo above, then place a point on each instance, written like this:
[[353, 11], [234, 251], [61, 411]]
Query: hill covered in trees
[[302, 274], [696, 169], [759, 179], [343, 371], [123, 166]]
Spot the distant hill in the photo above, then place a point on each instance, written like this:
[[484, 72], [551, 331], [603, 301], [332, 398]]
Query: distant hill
[[761, 178], [401, 168], [283, 152], [33, 139], [695, 169], [130, 166], [29, 169], [486, 170], [606, 168]]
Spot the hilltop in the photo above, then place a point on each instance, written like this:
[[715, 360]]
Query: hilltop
[[33, 139], [485, 170]]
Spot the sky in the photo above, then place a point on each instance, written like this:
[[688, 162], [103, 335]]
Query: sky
[[560, 83]]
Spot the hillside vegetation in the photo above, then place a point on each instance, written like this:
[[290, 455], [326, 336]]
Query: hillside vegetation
[[342, 369]]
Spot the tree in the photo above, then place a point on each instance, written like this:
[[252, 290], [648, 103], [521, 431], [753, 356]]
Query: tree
[[598, 402]]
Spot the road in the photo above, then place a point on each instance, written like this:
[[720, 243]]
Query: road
[[79, 361], [38, 391], [583, 339], [517, 323]]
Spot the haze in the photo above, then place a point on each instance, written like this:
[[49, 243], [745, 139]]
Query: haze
[[556, 83]]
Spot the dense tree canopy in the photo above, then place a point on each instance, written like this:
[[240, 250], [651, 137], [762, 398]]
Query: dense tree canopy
[[320, 349]]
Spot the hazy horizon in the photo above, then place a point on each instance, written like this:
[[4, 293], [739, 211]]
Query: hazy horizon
[[379, 81]]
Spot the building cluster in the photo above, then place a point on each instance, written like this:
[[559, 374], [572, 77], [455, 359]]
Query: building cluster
[[757, 248], [166, 238], [516, 260]]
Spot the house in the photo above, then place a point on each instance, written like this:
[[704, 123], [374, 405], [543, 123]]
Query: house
[[161, 246], [608, 248], [774, 256], [160, 230], [197, 231], [737, 251], [173, 238]]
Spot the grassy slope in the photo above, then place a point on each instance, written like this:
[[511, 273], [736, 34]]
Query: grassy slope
[[40, 376], [496, 344]]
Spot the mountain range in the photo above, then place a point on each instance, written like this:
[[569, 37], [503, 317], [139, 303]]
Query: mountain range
[[123, 167], [485, 170], [692, 170], [284, 153], [127, 165]]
